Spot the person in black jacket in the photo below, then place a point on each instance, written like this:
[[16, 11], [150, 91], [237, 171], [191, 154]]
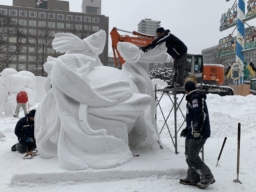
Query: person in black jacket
[[196, 133], [24, 130], [175, 48]]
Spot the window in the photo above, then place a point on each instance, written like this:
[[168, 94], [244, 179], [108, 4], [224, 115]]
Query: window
[[31, 58], [69, 17], [78, 18], [69, 26], [23, 22], [60, 25], [22, 58], [95, 20], [13, 12], [23, 31], [32, 23], [31, 41], [22, 40], [87, 19], [32, 50], [31, 67], [11, 48], [91, 10], [51, 24], [41, 24], [32, 14], [78, 27], [52, 33], [41, 15], [51, 15], [60, 16], [21, 67], [4, 48], [3, 11], [23, 50], [32, 32], [23, 13], [14, 66], [87, 28], [95, 28], [12, 39], [14, 21]]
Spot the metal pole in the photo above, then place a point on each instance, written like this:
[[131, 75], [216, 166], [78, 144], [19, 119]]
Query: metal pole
[[221, 150], [238, 153], [240, 37], [175, 117]]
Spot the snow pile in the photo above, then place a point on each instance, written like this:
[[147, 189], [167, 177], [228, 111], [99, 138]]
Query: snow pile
[[87, 121], [12, 82]]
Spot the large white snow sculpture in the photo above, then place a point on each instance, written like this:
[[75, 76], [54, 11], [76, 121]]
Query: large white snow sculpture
[[89, 115]]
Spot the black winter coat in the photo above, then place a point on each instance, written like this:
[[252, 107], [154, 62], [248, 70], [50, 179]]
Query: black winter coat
[[197, 117], [24, 129], [175, 47]]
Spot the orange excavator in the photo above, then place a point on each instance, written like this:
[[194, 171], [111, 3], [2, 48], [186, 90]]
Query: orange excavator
[[211, 76], [138, 39]]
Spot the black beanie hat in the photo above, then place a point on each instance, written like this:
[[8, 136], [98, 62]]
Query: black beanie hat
[[32, 113], [190, 86], [160, 30]]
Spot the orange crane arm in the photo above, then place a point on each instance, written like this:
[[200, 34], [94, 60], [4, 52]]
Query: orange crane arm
[[140, 40]]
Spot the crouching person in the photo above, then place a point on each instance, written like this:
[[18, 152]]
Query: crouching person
[[196, 133], [24, 130]]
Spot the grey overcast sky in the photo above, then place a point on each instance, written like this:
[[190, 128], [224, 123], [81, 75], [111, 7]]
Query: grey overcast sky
[[195, 22]]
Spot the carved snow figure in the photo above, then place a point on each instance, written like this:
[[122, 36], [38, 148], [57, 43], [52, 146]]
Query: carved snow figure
[[68, 43], [93, 113], [137, 67]]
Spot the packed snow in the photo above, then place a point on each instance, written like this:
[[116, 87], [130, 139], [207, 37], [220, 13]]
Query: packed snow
[[225, 113]]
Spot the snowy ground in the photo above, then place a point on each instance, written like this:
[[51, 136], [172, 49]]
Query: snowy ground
[[225, 113]]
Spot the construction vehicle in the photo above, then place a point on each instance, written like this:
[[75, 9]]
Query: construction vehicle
[[210, 77], [253, 86]]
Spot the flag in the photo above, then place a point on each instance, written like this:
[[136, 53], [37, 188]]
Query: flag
[[40, 1], [249, 67]]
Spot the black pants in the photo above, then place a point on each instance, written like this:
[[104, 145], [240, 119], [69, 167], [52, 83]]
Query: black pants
[[179, 69], [197, 169]]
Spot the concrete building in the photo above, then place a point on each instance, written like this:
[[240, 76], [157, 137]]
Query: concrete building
[[91, 7], [36, 22], [148, 26]]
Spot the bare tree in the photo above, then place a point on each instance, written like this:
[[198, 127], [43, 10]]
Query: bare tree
[[42, 43], [9, 29]]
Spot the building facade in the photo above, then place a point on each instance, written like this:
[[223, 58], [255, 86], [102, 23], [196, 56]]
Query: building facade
[[148, 26], [225, 52], [40, 25], [91, 7]]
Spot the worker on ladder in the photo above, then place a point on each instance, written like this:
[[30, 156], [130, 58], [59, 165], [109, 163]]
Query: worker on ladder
[[175, 48]]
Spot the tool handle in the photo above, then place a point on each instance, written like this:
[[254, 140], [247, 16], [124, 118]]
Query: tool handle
[[222, 148]]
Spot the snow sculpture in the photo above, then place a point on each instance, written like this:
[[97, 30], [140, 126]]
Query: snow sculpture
[[137, 67], [68, 43], [13, 82], [93, 113]]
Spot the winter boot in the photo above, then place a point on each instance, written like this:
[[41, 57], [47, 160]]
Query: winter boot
[[185, 181], [205, 183]]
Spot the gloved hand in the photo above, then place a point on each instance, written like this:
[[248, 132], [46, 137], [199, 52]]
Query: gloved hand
[[184, 132], [30, 140], [197, 135]]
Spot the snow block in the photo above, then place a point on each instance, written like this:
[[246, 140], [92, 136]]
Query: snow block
[[150, 162]]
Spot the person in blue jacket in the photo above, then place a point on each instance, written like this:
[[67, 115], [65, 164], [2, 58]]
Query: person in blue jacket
[[24, 131], [196, 133], [175, 48]]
